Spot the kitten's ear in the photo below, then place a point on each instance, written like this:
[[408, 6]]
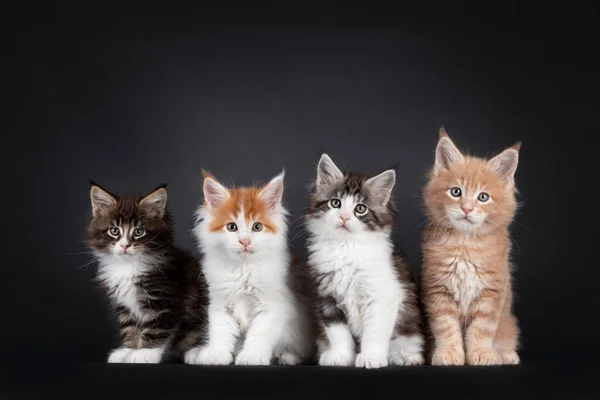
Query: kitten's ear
[[380, 186], [102, 201], [327, 172], [505, 163], [214, 193], [272, 192], [446, 153], [156, 202]]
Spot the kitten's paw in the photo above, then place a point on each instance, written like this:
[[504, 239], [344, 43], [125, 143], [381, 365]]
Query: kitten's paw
[[208, 356], [144, 356], [407, 350], [288, 358], [483, 356], [119, 355], [336, 358], [371, 359], [509, 357], [247, 357], [448, 356]]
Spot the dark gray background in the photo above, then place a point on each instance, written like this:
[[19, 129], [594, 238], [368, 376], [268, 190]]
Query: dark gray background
[[132, 97]]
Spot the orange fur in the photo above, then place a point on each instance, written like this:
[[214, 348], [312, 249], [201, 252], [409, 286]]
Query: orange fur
[[247, 199], [466, 277]]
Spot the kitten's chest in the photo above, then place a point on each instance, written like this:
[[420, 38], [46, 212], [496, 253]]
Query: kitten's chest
[[124, 283], [464, 281]]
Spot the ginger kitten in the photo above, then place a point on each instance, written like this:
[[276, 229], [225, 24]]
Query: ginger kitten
[[156, 289], [365, 293], [466, 272], [255, 313]]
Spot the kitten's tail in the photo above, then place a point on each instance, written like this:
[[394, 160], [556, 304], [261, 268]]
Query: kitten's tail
[[182, 340]]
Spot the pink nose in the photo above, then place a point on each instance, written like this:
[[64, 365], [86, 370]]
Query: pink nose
[[124, 246], [245, 242], [467, 210], [345, 218]]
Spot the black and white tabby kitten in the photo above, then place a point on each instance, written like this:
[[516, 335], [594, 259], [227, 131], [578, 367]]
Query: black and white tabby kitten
[[366, 295], [157, 290]]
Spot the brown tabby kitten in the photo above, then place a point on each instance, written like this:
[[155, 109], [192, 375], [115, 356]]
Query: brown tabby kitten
[[466, 273], [157, 290]]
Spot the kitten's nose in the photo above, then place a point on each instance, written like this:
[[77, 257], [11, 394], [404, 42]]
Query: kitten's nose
[[466, 210], [124, 246], [245, 242], [345, 218]]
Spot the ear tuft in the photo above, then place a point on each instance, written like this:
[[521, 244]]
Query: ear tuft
[[102, 201], [446, 153], [327, 172], [443, 132], [380, 186], [214, 193], [156, 202], [272, 193]]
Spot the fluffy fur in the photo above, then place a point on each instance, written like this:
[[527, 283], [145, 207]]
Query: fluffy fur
[[466, 273], [365, 293], [255, 313], [155, 288]]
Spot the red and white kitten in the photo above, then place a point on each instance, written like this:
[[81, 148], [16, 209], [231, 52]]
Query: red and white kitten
[[255, 314]]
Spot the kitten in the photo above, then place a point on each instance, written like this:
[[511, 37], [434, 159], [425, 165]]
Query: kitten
[[255, 314], [157, 290], [466, 278], [364, 286]]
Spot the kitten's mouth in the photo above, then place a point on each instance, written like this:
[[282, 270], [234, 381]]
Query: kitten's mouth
[[344, 227]]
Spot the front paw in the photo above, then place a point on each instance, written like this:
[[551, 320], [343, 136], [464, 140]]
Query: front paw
[[144, 356], [483, 356], [449, 355], [509, 357], [372, 359], [247, 357], [208, 356], [119, 355], [336, 358]]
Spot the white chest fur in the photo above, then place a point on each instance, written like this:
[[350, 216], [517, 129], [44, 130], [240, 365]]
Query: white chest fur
[[355, 274], [120, 277], [464, 283]]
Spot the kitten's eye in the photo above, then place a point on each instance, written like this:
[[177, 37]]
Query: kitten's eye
[[231, 227], [455, 192], [335, 203], [114, 232], [138, 232], [483, 197], [257, 227], [360, 209]]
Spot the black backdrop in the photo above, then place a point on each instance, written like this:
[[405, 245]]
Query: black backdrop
[[134, 96]]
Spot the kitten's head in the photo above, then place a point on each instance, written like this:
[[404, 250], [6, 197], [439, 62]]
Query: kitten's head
[[471, 194], [242, 222], [129, 227], [342, 204]]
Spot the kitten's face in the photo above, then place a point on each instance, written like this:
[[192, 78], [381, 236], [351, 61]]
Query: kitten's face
[[128, 227], [346, 204], [242, 222], [471, 194]]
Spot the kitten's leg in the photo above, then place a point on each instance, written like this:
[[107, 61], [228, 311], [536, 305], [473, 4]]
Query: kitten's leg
[[506, 339], [129, 334], [378, 327], [145, 356], [443, 320], [264, 333], [337, 347], [482, 325], [298, 341], [119, 355], [223, 332]]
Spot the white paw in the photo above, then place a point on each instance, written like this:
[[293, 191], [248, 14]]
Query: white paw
[[144, 356], [246, 357], [336, 358], [208, 356], [289, 359], [119, 355], [402, 358], [371, 359]]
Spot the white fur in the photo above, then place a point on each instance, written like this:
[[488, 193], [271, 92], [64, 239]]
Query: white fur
[[359, 273], [136, 356], [249, 293], [464, 283]]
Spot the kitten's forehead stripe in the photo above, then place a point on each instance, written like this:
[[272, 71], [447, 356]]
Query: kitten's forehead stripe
[[244, 201]]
